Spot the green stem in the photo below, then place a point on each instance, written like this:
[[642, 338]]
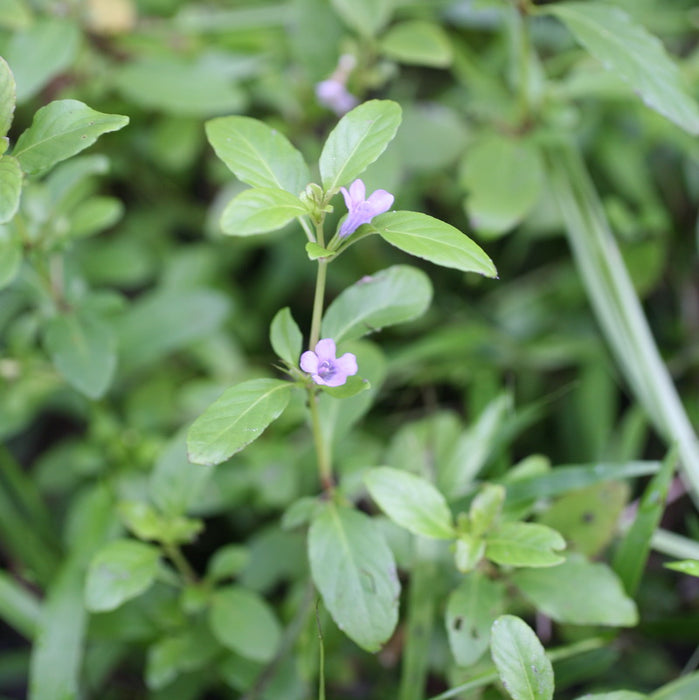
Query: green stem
[[322, 451], [318, 303], [181, 564]]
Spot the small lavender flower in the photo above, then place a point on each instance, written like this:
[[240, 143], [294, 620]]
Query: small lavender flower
[[362, 211], [324, 367], [334, 95]]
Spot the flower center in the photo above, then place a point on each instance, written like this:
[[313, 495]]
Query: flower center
[[326, 369]]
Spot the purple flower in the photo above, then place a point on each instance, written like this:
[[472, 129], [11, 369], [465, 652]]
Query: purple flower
[[362, 211], [333, 94], [324, 367]]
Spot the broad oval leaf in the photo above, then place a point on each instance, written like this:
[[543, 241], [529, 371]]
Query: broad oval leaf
[[179, 87], [7, 98], [83, 349], [120, 571], [355, 572], [524, 544], [364, 16], [40, 52], [285, 337], [524, 669], [10, 187], [632, 53], [395, 295], [235, 419], [243, 622], [579, 592], [503, 178], [259, 210], [59, 130], [471, 611], [357, 140], [418, 42], [410, 501], [434, 240], [257, 154]]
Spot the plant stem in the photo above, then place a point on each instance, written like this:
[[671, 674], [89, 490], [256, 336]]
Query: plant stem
[[322, 451], [318, 303], [181, 564]]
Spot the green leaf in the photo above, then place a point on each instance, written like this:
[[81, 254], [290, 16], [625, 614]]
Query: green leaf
[[57, 653], [260, 210], [468, 552], [355, 572], [633, 54], [503, 178], [614, 695], [39, 53], [227, 562], [178, 86], [244, 623], [59, 130], [285, 337], [163, 661], [10, 187], [419, 43], [579, 592], [175, 485], [395, 295], [357, 140], [411, 501], [94, 215], [471, 611], [316, 251], [685, 688], [524, 544], [83, 350], [353, 386], [167, 320], [237, 418], [485, 508], [7, 99], [364, 16], [632, 553], [258, 155], [524, 669], [120, 571], [687, 566], [434, 240]]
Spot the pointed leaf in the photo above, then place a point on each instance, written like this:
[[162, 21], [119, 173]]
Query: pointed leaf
[[524, 544], [355, 572], [82, 347], [7, 99], [417, 42], [40, 52], [364, 16], [237, 418], [395, 295], [686, 566], [434, 240], [503, 178], [635, 55], [10, 187], [410, 501], [61, 129], [259, 210], [258, 155], [243, 622], [120, 571], [285, 337], [579, 592], [359, 138], [524, 669], [471, 611]]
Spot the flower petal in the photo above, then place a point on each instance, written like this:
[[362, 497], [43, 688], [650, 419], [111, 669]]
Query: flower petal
[[309, 362], [380, 201], [357, 191], [347, 364], [325, 349]]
